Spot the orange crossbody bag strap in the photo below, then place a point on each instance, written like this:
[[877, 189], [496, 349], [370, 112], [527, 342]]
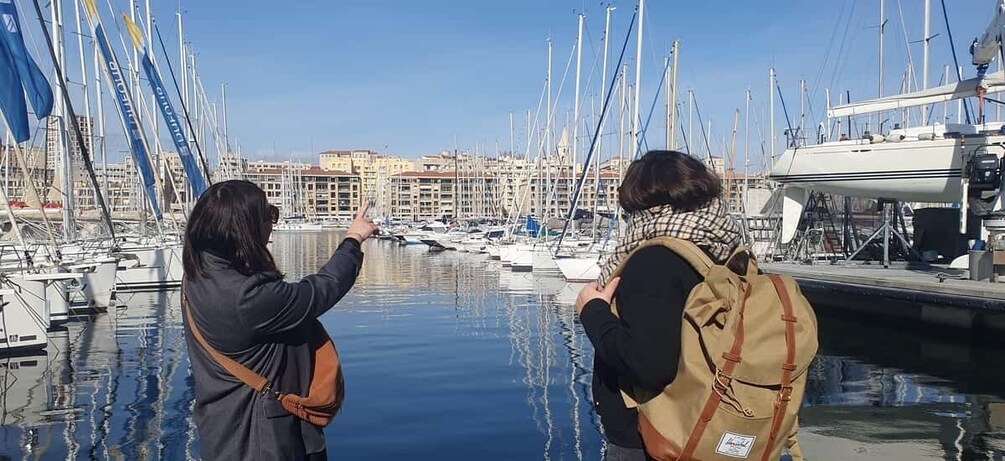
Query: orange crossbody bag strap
[[241, 372]]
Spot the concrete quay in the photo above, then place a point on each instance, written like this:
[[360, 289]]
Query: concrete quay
[[927, 294]]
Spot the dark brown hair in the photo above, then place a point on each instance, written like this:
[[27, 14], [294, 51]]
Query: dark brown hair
[[227, 222], [666, 177]]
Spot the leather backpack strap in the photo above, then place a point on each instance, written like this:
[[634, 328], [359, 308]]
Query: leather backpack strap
[[788, 368], [720, 386], [686, 249], [241, 372]]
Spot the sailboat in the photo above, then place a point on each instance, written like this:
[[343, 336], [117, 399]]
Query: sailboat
[[293, 200], [949, 163]]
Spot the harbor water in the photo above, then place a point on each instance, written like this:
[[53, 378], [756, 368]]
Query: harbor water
[[449, 356]]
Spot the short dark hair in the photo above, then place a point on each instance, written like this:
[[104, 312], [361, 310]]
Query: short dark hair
[[666, 177], [227, 222]]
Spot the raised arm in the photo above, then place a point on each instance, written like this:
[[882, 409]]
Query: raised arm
[[271, 306]]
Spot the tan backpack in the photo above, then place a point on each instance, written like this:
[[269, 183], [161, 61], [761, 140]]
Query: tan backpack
[[746, 342]]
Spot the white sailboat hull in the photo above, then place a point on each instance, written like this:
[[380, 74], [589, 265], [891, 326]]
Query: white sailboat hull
[[544, 261], [580, 268], [522, 258], [155, 269], [921, 171], [297, 227], [98, 283], [22, 327]]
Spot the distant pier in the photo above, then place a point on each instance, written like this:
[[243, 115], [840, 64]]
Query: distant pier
[[930, 295]]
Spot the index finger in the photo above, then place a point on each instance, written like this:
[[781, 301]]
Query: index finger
[[363, 208]]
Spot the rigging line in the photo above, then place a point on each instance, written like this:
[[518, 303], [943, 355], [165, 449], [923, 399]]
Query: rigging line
[[642, 136], [956, 61], [760, 135], [683, 132], [907, 45], [830, 45], [84, 151], [701, 124], [788, 121], [652, 109], [593, 142], [531, 173], [845, 48], [184, 108]]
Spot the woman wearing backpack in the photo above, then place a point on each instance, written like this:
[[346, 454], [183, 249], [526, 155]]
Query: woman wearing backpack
[[242, 319], [663, 194]]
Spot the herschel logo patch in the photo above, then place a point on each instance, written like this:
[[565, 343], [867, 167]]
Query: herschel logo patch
[[735, 445]]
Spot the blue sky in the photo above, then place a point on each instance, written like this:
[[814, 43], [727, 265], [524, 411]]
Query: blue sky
[[410, 77]]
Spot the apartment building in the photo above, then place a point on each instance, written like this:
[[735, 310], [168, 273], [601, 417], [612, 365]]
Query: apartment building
[[307, 190]]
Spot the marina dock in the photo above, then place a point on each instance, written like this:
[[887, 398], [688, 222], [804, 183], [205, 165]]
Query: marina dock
[[927, 294]]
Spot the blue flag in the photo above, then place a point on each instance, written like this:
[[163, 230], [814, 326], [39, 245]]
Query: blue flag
[[19, 74], [188, 161], [127, 114]]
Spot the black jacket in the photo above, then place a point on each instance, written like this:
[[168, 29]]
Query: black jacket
[[643, 346], [263, 322]]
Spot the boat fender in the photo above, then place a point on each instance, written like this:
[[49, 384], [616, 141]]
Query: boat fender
[[926, 136], [895, 138], [876, 138]]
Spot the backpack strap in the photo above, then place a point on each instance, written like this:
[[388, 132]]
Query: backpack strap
[[785, 392], [241, 372], [721, 382], [686, 249]]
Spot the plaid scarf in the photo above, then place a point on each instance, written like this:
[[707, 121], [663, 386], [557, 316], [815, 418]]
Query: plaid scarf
[[711, 228]]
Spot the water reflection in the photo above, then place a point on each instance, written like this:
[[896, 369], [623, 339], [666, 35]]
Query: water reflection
[[450, 356], [873, 388]]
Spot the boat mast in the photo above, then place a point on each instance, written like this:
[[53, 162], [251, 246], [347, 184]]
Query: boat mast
[[600, 137], [771, 113], [882, 29], [59, 111], [746, 150], [226, 126], [666, 99], [802, 113], [545, 160], [672, 125], [150, 53], [827, 126], [184, 72], [621, 115], [512, 140], [924, 57], [575, 109], [638, 81], [690, 119]]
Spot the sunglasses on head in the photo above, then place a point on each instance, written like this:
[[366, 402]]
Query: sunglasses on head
[[273, 214]]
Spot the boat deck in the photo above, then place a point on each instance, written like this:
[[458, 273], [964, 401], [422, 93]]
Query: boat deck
[[930, 294]]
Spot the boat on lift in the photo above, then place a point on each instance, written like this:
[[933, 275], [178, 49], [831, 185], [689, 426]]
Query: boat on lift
[[951, 163]]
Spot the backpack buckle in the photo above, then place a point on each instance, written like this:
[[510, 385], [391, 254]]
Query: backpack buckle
[[722, 381], [785, 394]]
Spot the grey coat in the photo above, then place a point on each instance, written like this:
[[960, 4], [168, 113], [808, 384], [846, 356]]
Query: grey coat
[[263, 322]]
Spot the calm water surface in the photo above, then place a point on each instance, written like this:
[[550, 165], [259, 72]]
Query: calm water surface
[[449, 356]]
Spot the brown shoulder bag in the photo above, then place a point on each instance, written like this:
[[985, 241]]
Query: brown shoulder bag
[[327, 389]]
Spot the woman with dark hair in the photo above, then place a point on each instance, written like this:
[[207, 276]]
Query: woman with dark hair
[[663, 194], [239, 302]]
